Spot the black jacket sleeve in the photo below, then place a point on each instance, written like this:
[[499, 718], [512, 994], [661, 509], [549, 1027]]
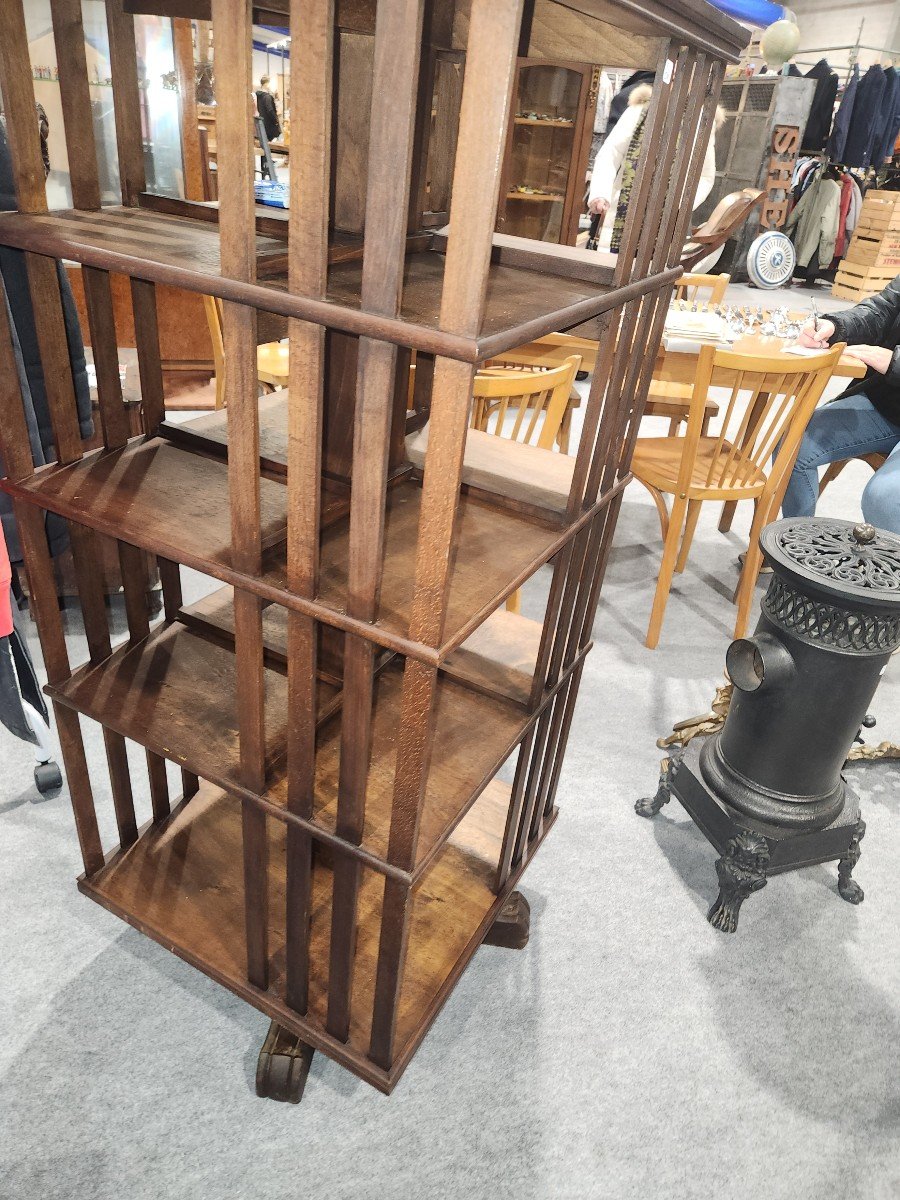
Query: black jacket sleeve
[[868, 322]]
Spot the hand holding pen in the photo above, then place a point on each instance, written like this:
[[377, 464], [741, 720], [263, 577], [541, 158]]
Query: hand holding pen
[[815, 334]]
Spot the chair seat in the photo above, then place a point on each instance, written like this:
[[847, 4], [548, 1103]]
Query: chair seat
[[657, 461], [665, 399], [272, 360]]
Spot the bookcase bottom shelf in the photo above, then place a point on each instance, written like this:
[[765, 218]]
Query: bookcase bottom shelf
[[181, 883]]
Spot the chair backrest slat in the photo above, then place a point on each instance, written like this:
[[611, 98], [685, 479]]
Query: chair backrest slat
[[691, 285], [536, 399], [769, 404]]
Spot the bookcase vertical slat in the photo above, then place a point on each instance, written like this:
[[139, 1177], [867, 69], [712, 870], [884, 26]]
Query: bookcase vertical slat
[[74, 89], [15, 441], [491, 51], [398, 33], [192, 165], [105, 352], [123, 69], [232, 27], [45, 609], [146, 334], [310, 171]]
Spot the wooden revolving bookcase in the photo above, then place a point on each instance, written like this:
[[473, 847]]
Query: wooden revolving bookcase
[[340, 708]]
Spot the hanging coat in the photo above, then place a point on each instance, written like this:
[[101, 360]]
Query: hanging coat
[[16, 297], [843, 238], [818, 123], [890, 118], [813, 224], [843, 116], [865, 121]]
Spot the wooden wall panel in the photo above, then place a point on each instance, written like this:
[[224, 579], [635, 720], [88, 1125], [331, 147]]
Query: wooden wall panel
[[183, 331]]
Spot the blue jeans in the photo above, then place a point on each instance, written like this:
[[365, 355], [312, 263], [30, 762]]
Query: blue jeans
[[844, 429]]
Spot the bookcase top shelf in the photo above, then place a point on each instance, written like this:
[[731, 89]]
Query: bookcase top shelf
[[521, 303]]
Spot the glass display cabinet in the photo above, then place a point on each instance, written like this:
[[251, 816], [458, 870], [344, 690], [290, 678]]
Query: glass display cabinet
[[543, 184]]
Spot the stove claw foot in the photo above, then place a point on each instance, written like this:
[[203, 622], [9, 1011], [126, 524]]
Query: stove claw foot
[[741, 871], [848, 887]]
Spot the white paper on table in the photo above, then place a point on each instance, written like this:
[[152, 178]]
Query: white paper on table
[[804, 351], [680, 345]]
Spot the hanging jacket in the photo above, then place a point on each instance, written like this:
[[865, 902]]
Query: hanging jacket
[[818, 123], [865, 121], [843, 238], [875, 322], [890, 118], [807, 176], [619, 102], [15, 277], [855, 207], [841, 126], [813, 224]]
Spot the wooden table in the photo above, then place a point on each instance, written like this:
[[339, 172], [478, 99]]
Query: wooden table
[[680, 366]]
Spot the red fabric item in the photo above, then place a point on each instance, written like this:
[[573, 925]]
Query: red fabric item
[[840, 245], [6, 621]]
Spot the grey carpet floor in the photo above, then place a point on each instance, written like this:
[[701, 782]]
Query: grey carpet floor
[[629, 1051]]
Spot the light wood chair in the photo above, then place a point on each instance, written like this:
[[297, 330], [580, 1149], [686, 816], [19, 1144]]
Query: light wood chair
[[702, 289], [834, 469], [771, 401], [536, 401], [546, 352], [672, 400], [271, 357]]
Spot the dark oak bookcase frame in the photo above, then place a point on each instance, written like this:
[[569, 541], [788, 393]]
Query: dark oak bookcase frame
[[342, 843]]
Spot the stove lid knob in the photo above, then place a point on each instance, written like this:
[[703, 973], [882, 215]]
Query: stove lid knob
[[864, 534]]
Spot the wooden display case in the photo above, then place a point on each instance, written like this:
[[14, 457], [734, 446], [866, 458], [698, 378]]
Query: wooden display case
[[338, 711], [543, 185]]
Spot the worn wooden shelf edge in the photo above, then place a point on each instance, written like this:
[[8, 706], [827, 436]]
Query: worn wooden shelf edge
[[151, 692], [128, 241], [198, 536], [194, 908]]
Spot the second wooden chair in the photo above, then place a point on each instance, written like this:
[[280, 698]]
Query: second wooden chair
[[535, 402], [271, 357], [672, 400], [771, 401]]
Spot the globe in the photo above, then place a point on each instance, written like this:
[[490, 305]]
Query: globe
[[780, 43]]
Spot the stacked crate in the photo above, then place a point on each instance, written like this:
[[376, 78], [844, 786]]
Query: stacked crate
[[873, 258]]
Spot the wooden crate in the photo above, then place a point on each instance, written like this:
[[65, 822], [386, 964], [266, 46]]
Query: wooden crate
[[868, 249], [854, 282], [880, 211]]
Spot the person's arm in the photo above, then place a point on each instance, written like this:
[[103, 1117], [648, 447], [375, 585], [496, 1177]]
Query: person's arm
[[609, 158], [867, 322]]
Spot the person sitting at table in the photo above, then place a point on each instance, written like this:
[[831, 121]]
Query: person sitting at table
[[865, 418]]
